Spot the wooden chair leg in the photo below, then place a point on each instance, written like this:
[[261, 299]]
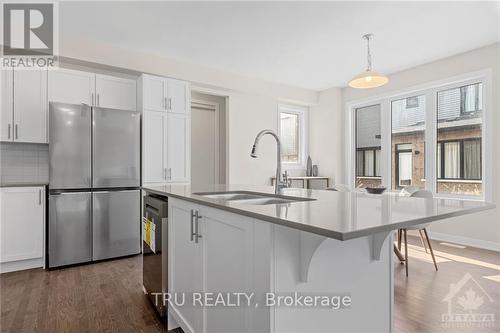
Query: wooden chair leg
[[399, 239], [424, 244], [406, 252], [430, 249]]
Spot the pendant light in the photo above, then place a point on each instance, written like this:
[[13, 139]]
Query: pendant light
[[368, 78]]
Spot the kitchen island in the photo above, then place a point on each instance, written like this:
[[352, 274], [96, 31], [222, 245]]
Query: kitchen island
[[332, 248]]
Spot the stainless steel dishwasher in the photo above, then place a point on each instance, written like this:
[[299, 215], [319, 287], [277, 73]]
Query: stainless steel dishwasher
[[154, 257]]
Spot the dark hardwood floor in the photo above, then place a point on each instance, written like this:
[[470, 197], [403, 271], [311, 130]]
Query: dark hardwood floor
[[108, 297]]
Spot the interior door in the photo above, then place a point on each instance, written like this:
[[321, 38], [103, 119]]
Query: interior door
[[72, 87], [69, 146], [116, 93], [154, 91], [184, 265], [30, 106], [178, 147], [116, 148], [7, 106], [70, 236], [116, 224], [177, 92], [203, 146], [153, 142]]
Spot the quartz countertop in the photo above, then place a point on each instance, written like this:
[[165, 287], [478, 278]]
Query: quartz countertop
[[23, 184], [338, 215]]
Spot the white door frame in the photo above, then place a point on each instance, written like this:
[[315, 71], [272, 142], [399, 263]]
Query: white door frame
[[208, 105]]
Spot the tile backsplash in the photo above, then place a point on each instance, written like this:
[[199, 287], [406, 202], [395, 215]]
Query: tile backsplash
[[24, 163]]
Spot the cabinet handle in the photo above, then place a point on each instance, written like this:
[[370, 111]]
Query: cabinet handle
[[92, 99], [169, 173], [16, 131], [165, 173], [8, 131], [40, 197], [192, 221], [170, 103], [165, 103], [197, 235]]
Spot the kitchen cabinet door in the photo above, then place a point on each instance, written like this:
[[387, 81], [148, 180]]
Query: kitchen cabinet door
[[154, 93], [30, 106], [22, 227], [115, 93], [184, 265], [72, 87], [178, 96], [153, 147], [7, 106], [178, 154], [227, 243]]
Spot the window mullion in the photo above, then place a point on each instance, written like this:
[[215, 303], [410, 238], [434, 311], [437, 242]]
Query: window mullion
[[431, 141]]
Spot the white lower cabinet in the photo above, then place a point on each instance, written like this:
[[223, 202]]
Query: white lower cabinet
[[219, 260], [22, 227]]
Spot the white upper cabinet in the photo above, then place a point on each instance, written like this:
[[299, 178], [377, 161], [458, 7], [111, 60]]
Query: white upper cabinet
[[7, 106], [24, 106], [153, 165], [72, 87], [78, 87], [166, 129], [178, 154], [177, 96], [164, 94], [154, 92], [30, 106], [115, 93]]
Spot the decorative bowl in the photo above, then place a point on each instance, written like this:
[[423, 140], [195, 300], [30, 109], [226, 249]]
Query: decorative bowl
[[376, 190]]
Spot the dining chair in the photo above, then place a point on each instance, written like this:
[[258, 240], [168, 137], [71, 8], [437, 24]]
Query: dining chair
[[422, 230]]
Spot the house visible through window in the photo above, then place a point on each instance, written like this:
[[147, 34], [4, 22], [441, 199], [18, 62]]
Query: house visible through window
[[457, 129], [291, 132]]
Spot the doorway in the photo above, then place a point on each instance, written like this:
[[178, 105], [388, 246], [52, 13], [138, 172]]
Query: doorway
[[207, 139]]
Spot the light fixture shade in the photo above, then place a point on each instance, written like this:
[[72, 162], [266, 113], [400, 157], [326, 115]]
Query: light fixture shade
[[368, 79]]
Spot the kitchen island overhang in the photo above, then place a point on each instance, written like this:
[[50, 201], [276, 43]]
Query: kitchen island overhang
[[319, 246]]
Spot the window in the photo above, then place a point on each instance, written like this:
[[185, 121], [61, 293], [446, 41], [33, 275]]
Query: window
[[408, 142], [436, 139], [368, 146], [459, 133], [459, 160], [292, 134]]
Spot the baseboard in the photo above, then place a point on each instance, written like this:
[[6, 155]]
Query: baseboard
[[12, 266], [473, 242]]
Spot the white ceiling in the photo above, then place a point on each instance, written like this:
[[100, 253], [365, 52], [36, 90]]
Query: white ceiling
[[311, 45]]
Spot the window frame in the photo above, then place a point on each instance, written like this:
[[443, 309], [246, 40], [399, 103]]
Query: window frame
[[374, 150], [303, 117], [430, 90], [461, 166]]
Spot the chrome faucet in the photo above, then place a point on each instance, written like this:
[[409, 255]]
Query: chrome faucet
[[281, 180]]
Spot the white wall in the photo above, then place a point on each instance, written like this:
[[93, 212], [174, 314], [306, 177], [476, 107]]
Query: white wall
[[252, 102], [326, 122], [481, 229]]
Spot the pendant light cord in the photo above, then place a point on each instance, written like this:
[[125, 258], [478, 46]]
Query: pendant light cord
[[368, 53]]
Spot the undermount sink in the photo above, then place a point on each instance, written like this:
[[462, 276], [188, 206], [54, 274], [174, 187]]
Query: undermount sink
[[252, 198]]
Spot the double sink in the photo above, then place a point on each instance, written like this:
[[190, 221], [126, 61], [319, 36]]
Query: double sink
[[252, 198]]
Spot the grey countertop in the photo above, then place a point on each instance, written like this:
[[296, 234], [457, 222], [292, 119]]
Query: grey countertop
[[23, 184], [338, 215]]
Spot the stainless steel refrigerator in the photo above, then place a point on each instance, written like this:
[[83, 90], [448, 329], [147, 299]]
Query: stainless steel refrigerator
[[94, 186]]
